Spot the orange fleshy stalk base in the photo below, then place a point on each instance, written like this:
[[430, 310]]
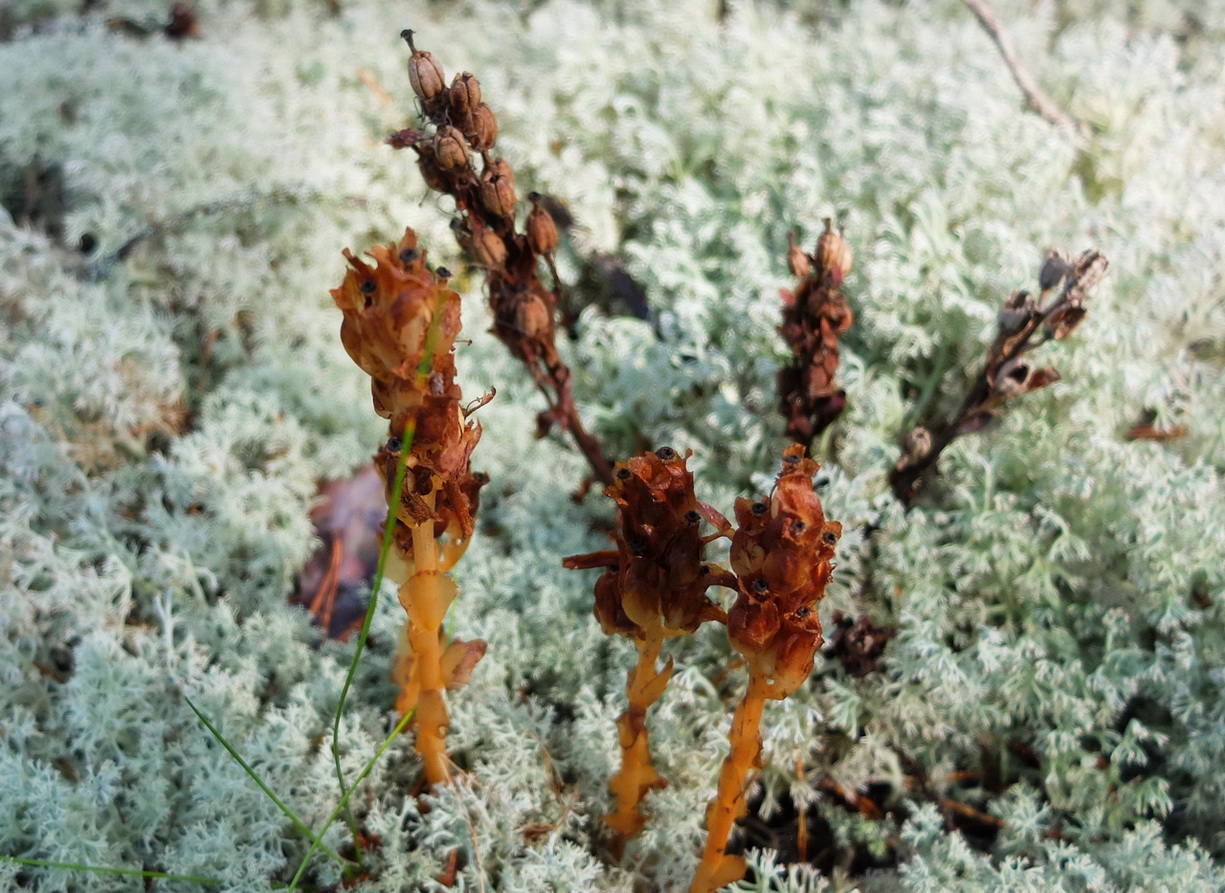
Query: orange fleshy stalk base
[[717, 869], [637, 775]]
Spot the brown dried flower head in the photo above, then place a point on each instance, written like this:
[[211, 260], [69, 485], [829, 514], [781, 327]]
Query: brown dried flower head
[[450, 148], [400, 324], [465, 92], [781, 555], [541, 230], [498, 189], [657, 569]]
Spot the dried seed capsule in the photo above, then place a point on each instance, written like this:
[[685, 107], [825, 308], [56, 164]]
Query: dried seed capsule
[[465, 93], [498, 189], [541, 230], [450, 148], [1054, 268], [488, 249], [833, 256], [1016, 313], [425, 74], [533, 318], [481, 128], [1090, 268], [800, 263]]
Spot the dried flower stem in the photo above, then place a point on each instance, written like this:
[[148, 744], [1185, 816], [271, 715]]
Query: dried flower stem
[[782, 555], [653, 588], [1035, 96], [637, 775], [1024, 325]]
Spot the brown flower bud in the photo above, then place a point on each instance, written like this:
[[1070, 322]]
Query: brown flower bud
[[487, 247], [498, 189], [541, 230], [425, 74], [450, 148], [465, 93], [833, 256], [481, 128]]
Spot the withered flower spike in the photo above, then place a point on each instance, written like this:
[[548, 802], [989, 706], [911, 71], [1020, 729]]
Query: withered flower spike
[[400, 325], [523, 308], [782, 558], [654, 587], [814, 318], [1024, 324]]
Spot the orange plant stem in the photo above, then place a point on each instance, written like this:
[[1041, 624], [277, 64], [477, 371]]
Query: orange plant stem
[[426, 595], [717, 869], [637, 776]]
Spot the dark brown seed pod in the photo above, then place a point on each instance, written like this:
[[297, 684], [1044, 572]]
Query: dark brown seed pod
[[533, 317], [1054, 268], [488, 249], [481, 128], [465, 93], [833, 255], [450, 148], [425, 74], [1016, 313], [498, 189], [541, 230]]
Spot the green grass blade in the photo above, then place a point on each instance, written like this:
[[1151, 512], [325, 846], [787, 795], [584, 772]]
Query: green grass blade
[[404, 721], [316, 842], [105, 869]]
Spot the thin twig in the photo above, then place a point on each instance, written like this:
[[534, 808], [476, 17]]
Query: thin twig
[[1035, 96]]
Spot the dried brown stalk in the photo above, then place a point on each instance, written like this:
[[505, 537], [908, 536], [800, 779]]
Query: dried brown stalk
[[400, 325], [1025, 323], [455, 157], [1035, 96], [814, 318]]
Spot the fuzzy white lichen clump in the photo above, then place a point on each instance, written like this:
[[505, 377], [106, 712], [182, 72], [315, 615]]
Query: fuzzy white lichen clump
[[1050, 713]]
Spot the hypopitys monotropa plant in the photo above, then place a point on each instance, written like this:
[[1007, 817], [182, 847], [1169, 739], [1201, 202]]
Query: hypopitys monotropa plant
[[455, 157], [653, 588], [782, 554], [400, 324]]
